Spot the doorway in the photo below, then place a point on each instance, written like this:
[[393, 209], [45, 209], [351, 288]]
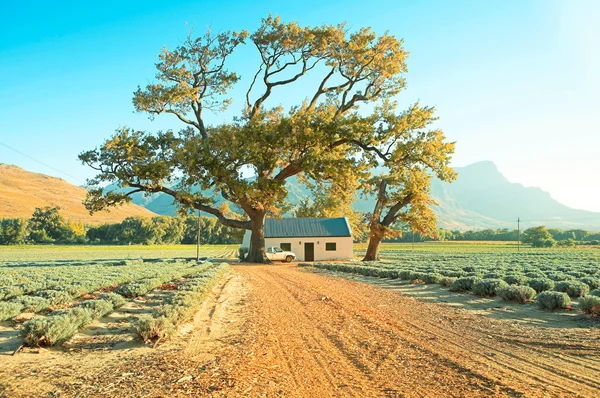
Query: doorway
[[309, 251]]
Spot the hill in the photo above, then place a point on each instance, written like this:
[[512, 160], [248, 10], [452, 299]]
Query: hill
[[22, 191], [480, 198]]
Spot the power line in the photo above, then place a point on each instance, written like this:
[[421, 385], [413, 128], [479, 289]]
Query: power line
[[40, 162]]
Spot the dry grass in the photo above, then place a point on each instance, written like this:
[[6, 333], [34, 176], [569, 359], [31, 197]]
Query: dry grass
[[23, 191]]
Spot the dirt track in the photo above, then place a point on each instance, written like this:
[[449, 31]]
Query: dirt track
[[284, 331]]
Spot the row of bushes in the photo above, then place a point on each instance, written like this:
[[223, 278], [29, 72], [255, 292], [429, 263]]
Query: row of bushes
[[61, 325], [41, 301], [64, 291], [180, 307], [546, 299]]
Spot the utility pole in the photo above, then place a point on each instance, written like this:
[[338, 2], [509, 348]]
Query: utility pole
[[198, 239], [519, 234]]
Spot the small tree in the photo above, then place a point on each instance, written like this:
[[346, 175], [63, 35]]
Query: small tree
[[47, 225], [538, 237], [13, 231], [407, 155]]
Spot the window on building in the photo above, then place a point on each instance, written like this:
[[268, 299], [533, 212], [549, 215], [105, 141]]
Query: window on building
[[330, 246], [287, 247]]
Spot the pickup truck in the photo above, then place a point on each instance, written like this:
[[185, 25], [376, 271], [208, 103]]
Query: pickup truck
[[276, 254]]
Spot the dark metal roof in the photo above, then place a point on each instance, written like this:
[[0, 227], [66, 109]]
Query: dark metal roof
[[306, 227]]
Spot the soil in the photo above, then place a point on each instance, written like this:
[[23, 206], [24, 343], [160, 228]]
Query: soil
[[280, 330]]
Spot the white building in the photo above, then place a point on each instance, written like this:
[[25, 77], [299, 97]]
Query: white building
[[311, 239]]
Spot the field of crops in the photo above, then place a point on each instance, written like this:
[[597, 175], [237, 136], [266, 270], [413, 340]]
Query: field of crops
[[551, 279], [66, 294]]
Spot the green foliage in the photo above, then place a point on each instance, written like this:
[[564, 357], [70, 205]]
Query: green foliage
[[447, 281], [61, 325], [540, 284], [488, 287], [595, 292], [34, 303], [520, 294], [592, 282], [430, 278], [56, 297], [572, 288], [590, 305], [181, 305], [9, 309], [463, 284], [538, 237], [552, 300], [515, 279], [154, 329], [47, 225], [51, 330], [13, 231]]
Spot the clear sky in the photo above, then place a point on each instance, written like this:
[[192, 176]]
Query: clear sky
[[516, 82]]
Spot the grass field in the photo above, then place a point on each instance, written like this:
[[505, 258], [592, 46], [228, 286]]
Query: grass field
[[463, 246], [67, 252]]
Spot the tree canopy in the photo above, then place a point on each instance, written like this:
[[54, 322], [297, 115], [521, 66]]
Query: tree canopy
[[331, 135]]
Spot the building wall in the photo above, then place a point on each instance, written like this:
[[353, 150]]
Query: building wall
[[344, 246]]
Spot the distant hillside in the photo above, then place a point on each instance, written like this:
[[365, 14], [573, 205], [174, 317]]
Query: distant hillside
[[480, 198], [22, 191]]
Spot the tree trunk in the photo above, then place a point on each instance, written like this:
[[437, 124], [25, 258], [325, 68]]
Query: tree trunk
[[257, 252], [375, 238]]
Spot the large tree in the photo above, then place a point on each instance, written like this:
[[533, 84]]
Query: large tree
[[248, 160], [406, 155]]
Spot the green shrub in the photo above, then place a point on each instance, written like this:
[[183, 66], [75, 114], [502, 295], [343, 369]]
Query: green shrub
[[552, 300], [494, 275], [595, 292], [8, 292], [572, 288], [116, 299], [488, 287], [55, 297], [520, 294], [50, 330], [10, 309], [540, 284], [593, 283], [34, 303], [590, 305], [557, 276], [149, 328], [446, 281], [405, 275], [453, 273], [463, 284], [98, 308], [515, 279], [431, 278], [61, 325]]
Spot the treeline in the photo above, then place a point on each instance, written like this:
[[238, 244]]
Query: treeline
[[46, 225], [536, 236]]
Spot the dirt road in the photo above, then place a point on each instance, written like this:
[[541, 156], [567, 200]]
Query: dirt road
[[284, 331]]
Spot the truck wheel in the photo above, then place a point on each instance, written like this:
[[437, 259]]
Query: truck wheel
[[289, 259]]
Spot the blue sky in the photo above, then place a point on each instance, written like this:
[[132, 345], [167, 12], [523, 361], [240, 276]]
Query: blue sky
[[515, 82]]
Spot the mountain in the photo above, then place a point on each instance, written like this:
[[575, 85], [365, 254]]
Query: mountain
[[22, 191], [481, 197]]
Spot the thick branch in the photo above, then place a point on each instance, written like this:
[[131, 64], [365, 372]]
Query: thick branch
[[229, 222]]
